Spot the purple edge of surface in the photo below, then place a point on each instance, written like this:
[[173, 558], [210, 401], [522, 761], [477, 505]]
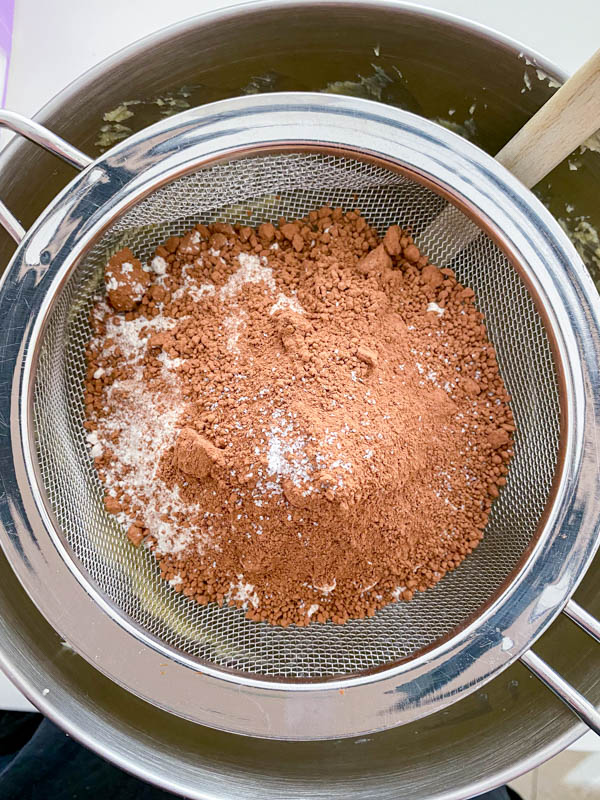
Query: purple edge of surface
[[7, 11]]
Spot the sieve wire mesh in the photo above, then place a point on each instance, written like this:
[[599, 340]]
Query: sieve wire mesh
[[250, 191]]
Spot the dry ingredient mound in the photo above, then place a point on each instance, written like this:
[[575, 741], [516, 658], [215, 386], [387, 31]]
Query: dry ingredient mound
[[303, 420]]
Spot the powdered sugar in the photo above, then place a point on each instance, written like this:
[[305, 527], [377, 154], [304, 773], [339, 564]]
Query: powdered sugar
[[159, 265], [137, 435], [138, 432], [286, 455], [250, 271], [128, 334], [191, 289], [285, 301], [169, 363], [327, 588], [243, 593], [233, 324], [96, 451], [436, 309], [197, 292]]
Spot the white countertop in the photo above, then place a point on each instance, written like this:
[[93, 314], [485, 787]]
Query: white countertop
[[54, 42]]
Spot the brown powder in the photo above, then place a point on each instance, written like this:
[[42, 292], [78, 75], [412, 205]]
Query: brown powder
[[302, 420], [125, 280]]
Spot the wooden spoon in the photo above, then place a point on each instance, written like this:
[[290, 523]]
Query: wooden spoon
[[563, 123]]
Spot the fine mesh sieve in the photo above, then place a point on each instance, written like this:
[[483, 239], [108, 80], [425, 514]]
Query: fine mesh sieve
[[249, 160], [251, 190]]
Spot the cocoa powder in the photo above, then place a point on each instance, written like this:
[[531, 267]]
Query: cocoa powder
[[303, 420]]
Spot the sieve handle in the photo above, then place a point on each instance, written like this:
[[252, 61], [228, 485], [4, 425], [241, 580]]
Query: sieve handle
[[49, 141], [584, 619], [582, 707]]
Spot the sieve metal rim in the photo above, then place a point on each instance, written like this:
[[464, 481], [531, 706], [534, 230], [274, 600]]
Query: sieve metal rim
[[227, 113]]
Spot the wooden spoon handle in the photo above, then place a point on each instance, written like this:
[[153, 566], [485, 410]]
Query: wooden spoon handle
[[565, 121]]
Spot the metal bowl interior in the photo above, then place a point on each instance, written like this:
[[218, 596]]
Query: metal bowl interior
[[459, 739]]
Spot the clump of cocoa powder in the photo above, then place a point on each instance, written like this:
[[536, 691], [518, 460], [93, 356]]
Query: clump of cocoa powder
[[303, 420], [125, 280]]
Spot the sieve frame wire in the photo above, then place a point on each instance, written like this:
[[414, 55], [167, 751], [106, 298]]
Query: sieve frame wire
[[557, 472]]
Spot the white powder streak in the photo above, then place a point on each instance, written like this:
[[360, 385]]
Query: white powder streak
[[243, 592], [285, 453], [232, 325], [159, 265], [141, 427], [327, 588], [283, 301], [127, 334], [250, 271], [193, 290], [434, 307], [196, 292], [145, 425], [169, 363]]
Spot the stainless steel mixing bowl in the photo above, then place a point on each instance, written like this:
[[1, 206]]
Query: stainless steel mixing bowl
[[480, 741]]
